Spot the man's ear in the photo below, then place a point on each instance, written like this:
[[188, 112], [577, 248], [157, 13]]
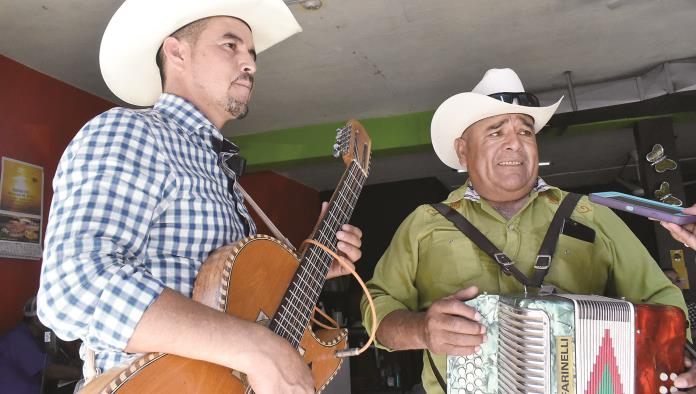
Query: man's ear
[[460, 148], [174, 52]]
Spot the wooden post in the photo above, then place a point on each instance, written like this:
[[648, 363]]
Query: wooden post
[[672, 254]]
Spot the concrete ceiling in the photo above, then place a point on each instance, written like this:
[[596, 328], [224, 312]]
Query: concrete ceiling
[[373, 58]]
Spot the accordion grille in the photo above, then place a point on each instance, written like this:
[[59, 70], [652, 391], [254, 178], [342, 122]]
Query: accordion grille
[[605, 341], [524, 354]]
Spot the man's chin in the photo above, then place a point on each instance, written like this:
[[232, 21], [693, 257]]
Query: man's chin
[[238, 110]]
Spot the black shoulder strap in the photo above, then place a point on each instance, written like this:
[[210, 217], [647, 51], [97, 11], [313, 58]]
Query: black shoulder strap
[[439, 378], [548, 245], [506, 265]]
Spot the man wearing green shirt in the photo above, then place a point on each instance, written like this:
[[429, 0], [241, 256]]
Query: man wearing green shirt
[[431, 266]]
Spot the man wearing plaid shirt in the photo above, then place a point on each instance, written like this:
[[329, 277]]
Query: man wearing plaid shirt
[[140, 201]]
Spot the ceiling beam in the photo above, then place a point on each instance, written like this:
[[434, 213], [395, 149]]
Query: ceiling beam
[[411, 132]]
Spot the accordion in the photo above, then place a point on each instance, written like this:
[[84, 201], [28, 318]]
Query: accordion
[[570, 344]]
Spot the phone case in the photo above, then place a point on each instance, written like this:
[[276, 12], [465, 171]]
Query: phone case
[[643, 207]]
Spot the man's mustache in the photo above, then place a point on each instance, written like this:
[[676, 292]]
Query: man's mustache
[[245, 77]]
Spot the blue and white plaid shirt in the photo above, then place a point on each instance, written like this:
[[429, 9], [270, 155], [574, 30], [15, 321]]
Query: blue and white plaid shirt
[[139, 202]]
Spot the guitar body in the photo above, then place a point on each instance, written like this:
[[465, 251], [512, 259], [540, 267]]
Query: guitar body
[[248, 280]]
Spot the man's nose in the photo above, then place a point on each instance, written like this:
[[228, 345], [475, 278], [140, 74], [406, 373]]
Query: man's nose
[[248, 65], [513, 140]]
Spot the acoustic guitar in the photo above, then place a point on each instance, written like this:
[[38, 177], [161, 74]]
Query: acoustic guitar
[[261, 279]]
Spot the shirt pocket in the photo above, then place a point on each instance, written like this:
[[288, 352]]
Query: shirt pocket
[[573, 268], [448, 262]]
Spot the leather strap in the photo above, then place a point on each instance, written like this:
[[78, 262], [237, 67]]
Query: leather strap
[[506, 265], [436, 372], [264, 218], [548, 245]]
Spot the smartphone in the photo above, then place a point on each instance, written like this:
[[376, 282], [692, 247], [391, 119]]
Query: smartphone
[[643, 207]]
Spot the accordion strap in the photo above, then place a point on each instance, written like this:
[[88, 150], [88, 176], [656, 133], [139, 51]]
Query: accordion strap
[[548, 245], [436, 372]]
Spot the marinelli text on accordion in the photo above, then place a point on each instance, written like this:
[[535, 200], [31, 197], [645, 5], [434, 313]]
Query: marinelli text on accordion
[[571, 344]]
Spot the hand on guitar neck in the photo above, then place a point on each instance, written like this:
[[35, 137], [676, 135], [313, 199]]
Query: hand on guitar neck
[[348, 246]]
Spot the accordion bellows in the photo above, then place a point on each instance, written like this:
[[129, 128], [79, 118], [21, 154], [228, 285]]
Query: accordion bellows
[[570, 344]]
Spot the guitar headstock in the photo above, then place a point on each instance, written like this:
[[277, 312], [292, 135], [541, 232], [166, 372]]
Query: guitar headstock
[[353, 144]]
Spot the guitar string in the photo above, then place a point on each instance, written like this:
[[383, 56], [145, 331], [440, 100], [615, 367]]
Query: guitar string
[[344, 204]]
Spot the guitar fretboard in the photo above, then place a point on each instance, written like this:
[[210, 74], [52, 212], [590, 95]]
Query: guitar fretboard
[[293, 314]]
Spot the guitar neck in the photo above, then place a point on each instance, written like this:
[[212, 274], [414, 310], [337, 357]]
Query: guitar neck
[[302, 294]]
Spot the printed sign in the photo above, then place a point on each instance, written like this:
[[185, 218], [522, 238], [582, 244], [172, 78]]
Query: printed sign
[[21, 208]]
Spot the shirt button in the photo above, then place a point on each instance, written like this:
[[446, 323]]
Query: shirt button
[[511, 226]]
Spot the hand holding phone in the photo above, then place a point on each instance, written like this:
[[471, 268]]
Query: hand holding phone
[[643, 206]]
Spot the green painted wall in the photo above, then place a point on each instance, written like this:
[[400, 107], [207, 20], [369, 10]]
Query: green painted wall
[[390, 135]]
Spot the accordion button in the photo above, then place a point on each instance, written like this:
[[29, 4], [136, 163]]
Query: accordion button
[[673, 376], [673, 389], [462, 372], [663, 390], [663, 377]]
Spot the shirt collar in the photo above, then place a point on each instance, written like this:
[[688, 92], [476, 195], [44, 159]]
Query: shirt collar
[[468, 192], [189, 118]]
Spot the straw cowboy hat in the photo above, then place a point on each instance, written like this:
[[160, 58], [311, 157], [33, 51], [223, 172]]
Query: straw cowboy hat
[[138, 28], [499, 92]]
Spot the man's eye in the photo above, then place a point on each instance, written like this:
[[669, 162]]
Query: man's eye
[[525, 132], [494, 134], [231, 45]]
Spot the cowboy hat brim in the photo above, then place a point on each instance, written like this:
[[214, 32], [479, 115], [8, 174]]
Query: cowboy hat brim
[[462, 110], [127, 55]]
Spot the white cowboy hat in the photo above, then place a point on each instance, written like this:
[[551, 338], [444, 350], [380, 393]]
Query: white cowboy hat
[[462, 110], [138, 28]]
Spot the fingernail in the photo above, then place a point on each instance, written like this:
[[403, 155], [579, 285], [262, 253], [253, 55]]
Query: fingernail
[[485, 337], [483, 329], [477, 316], [477, 349], [680, 383]]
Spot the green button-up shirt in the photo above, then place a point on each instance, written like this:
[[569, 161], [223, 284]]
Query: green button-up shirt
[[429, 258]]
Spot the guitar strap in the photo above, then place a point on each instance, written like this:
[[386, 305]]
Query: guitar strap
[[266, 220]]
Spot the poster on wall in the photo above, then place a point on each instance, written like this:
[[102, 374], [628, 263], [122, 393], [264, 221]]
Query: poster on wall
[[21, 208]]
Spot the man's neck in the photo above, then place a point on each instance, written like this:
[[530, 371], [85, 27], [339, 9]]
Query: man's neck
[[508, 209]]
